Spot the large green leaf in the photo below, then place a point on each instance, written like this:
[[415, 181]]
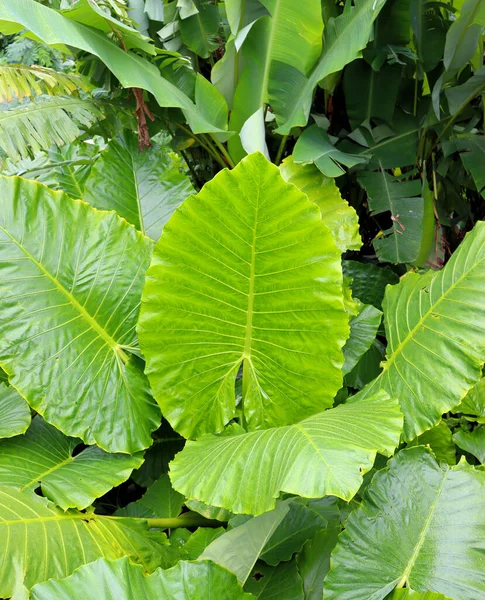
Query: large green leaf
[[41, 541], [199, 31], [336, 213], [40, 124], [225, 290], [238, 549], [323, 455], [421, 524], [104, 580], [408, 594], [474, 402], [401, 243], [291, 92], [43, 456], [143, 187], [130, 69], [68, 312], [14, 412], [292, 35], [434, 356], [472, 154]]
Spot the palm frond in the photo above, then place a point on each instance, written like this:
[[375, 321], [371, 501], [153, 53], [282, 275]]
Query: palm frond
[[23, 81], [47, 121]]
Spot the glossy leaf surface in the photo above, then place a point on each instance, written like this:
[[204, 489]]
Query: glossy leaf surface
[[232, 262], [420, 524], [69, 307], [102, 579], [14, 412], [433, 355], [43, 542], [44, 456], [310, 459]]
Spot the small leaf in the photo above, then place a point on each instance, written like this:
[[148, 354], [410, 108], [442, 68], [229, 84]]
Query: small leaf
[[282, 582], [440, 440], [472, 442], [369, 281], [143, 187], [314, 561], [363, 331], [14, 411], [336, 213], [159, 501]]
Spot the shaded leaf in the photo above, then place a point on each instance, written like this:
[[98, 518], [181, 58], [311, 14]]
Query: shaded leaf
[[420, 524], [77, 297], [314, 146], [143, 187], [282, 582], [314, 561], [130, 69], [369, 280], [472, 442], [231, 261], [199, 31], [238, 549], [291, 93], [44, 456], [311, 459], [440, 440], [403, 199], [474, 402], [363, 331], [159, 501]]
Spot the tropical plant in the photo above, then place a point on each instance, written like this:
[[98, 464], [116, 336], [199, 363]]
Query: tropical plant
[[242, 265]]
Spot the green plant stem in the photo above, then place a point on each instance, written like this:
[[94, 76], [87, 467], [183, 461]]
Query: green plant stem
[[188, 519], [207, 148], [223, 151], [281, 149]]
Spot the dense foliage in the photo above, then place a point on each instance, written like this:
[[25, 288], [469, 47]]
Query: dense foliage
[[242, 326]]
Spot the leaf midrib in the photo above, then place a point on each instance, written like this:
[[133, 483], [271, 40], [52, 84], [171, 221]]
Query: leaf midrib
[[41, 476], [418, 325], [422, 536], [118, 351]]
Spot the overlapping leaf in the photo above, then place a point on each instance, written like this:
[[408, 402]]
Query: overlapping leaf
[[434, 352], [159, 501], [68, 312], [245, 273], [323, 455], [143, 187], [14, 412], [130, 69], [102, 579], [40, 541], [421, 524], [44, 456], [336, 213]]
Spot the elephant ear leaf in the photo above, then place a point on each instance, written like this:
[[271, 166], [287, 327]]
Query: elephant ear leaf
[[434, 356], [245, 274], [185, 581], [438, 548], [72, 279]]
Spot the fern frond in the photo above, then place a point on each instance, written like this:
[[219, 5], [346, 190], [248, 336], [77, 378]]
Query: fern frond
[[23, 81], [47, 121]]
